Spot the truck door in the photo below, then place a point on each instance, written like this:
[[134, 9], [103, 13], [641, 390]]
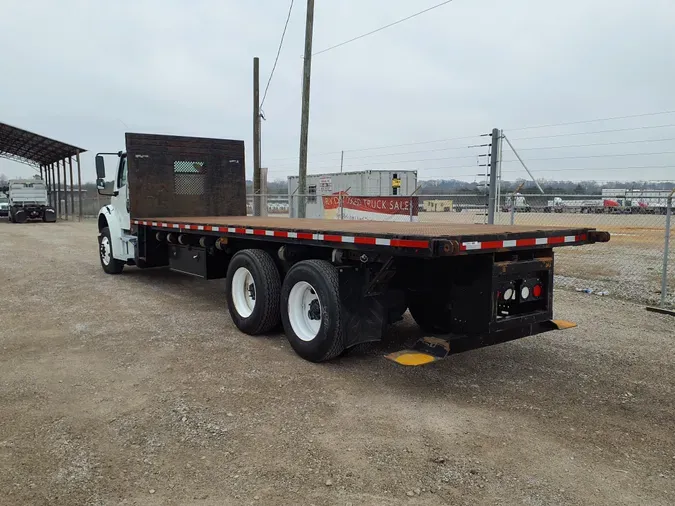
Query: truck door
[[121, 201]]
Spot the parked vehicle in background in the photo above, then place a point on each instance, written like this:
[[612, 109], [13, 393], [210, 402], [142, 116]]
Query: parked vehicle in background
[[560, 205], [28, 201], [518, 201], [4, 205], [613, 201], [648, 201]]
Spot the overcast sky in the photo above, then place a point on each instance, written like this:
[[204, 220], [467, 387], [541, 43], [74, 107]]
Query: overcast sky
[[86, 71]]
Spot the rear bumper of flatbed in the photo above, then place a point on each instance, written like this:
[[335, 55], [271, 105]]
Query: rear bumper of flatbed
[[406, 238]]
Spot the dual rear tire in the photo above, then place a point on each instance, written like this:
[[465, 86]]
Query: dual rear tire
[[306, 303]]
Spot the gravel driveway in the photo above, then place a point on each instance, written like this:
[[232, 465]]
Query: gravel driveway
[[137, 389]]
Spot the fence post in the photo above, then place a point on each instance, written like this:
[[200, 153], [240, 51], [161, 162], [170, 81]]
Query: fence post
[[492, 190], [513, 202], [666, 247]]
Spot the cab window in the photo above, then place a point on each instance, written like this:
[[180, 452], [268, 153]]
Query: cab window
[[122, 175]]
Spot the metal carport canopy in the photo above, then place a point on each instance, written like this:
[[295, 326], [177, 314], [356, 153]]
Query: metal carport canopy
[[33, 149], [50, 156]]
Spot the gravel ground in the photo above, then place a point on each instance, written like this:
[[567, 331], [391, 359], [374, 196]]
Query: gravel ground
[[137, 389]]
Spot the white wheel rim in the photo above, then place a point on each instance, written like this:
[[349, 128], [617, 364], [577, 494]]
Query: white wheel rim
[[105, 251], [243, 292], [304, 311]]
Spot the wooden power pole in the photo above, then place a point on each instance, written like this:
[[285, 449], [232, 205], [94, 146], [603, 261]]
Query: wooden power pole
[[256, 136], [304, 122]]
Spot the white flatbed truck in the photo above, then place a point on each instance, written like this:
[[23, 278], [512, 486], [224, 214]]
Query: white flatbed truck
[[179, 202]]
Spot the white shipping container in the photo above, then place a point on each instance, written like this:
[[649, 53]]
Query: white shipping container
[[368, 183]]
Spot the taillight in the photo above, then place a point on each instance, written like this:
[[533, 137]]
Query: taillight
[[530, 289], [536, 291]]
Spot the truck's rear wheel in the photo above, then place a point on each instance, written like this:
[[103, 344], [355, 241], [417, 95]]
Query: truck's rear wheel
[[110, 264], [311, 310], [253, 290], [430, 312]]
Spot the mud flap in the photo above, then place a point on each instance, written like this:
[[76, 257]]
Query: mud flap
[[433, 349]]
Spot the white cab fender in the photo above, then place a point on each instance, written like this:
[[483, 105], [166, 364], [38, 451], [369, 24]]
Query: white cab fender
[[123, 245]]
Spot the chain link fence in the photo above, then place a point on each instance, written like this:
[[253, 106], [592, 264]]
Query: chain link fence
[[630, 266]]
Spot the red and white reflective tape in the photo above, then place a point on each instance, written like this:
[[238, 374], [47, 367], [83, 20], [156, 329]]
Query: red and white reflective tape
[[285, 234], [520, 243], [373, 241]]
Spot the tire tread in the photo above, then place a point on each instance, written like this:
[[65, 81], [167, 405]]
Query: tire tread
[[270, 317], [328, 273], [270, 285]]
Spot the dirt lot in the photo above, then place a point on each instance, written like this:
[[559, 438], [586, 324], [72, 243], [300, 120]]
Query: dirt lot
[[137, 389]]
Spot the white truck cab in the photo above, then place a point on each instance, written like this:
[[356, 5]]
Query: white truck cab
[[117, 245]]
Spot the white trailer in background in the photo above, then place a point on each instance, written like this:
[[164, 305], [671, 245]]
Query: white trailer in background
[[367, 183], [560, 205]]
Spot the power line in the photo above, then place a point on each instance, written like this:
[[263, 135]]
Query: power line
[[384, 162], [281, 43], [599, 144], [400, 154], [411, 168], [598, 168], [596, 156], [594, 132], [385, 147], [565, 146], [594, 120], [423, 160], [383, 27]]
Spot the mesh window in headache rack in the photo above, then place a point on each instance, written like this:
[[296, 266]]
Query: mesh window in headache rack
[[188, 178]]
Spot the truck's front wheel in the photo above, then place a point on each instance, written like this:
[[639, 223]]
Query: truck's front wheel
[[253, 287], [311, 310], [110, 265]]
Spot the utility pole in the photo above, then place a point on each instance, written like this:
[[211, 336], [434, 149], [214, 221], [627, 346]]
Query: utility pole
[[494, 155], [304, 122], [342, 159], [256, 136]]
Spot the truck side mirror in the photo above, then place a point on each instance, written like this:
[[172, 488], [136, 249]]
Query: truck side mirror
[[100, 168], [100, 184]]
